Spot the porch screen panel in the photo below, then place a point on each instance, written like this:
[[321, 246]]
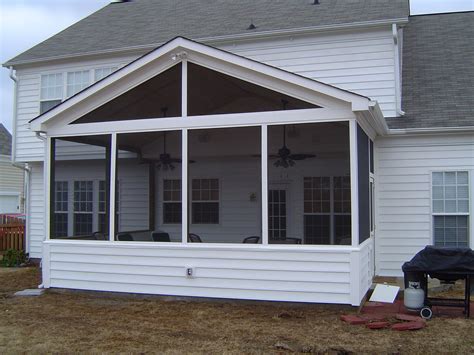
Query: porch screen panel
[[225, 185], [80, 181], [310, 164], [149, 186], [157, 97], [364, 184]]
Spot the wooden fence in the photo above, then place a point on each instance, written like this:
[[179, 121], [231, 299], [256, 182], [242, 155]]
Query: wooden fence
[[12, 233]]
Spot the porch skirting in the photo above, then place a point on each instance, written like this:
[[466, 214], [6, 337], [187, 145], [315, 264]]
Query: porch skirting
[[319, 274]]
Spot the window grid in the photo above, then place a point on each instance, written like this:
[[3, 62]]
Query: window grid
[[60, 208], [450, 208], [101, 73], [172, 201], [277, 214], [327, 210], [83, 207], [51, 92], [205, 201], [77, 81]]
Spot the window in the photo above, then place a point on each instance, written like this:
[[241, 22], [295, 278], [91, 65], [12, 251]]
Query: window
[[450, 196], [205, 201], [317, 210], [277, 214], [101, 73], [327, 210], [83, 211], [171, 201], [77, 81], [51, 92], [102, 207], [60, 208]]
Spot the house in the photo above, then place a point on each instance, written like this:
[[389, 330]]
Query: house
[[11, 177], [264, 150]]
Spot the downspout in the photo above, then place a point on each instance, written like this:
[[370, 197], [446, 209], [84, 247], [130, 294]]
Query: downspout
[[398, 70], [26, 169]]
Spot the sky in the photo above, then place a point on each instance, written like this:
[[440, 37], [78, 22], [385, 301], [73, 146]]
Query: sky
[[25, 23]]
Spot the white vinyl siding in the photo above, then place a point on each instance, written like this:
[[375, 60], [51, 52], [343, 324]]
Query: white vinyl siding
[[358, 60], [404, 167], [36, 212], [11, 183], [271, 273]]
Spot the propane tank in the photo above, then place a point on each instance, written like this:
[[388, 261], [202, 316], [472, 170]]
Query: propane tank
[[414, 296]]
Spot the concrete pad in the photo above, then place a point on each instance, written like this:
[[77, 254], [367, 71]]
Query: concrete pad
[[30, 292]]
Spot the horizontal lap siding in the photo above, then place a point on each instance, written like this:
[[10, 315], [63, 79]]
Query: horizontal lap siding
[[304, 276], [404, 166], [361, 61], [36, 216]]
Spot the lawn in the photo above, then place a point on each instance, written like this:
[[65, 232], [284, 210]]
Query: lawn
[[71, 321]]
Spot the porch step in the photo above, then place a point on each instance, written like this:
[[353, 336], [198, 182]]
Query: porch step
[[30, 292]]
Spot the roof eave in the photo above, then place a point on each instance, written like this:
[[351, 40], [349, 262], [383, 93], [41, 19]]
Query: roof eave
[[210, 40]]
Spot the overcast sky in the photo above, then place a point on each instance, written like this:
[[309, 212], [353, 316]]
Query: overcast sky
[[24, 23]]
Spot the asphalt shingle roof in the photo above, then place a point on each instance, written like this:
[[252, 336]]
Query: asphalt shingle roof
[[438, 72], [5, 141], [152, 22]]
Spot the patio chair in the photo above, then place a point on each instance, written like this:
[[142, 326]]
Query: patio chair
[[98, 236], [293, 240], [194, 238], [251, 240], [160, 237], [125, 237]]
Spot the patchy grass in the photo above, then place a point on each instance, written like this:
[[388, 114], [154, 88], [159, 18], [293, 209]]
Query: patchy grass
[[65, 322]]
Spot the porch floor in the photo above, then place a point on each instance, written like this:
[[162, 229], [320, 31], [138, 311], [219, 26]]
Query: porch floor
[[105, 322]]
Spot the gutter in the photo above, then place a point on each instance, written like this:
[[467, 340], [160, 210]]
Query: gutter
[[214, 39], [433, 130]]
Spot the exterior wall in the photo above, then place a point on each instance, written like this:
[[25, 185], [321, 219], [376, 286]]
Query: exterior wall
[[36, 212], [403, 191], [11, 185], [326, 275], [362, 61]]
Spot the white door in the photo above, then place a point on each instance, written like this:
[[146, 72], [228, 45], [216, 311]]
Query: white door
[[9, 204]]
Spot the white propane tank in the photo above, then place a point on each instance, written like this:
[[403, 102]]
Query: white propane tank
[[414, 297]]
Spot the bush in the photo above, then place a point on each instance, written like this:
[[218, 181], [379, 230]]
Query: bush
[[13, 257]]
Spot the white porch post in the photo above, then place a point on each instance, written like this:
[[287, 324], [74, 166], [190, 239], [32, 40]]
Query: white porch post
[[264, 151], [113, 180], [184, 154], [184, 186], [47, 187], [354, 183]]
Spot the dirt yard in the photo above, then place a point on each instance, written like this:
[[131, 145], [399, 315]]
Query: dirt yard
[[65, 322]]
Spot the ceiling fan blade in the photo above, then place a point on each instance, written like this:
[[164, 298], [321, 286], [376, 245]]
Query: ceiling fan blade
[[301, 156]]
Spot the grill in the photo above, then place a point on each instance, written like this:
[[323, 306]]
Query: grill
[[445, 264]]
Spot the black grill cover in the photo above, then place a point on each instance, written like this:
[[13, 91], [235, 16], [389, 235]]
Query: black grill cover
[[441, 260]]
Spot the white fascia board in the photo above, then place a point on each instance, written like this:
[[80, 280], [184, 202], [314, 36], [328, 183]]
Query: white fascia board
[[428, 131], [170, 54], [218, 39], [373, 120]]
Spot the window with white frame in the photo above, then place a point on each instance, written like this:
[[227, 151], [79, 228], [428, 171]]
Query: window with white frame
[[101, 73], [171, 201], [60, 208], [102, 206], [51, 93], [77, 81], [205, 201], [83, 207], [450, 207], [327, 210]]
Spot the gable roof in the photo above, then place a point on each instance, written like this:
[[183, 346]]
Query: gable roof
[[148, 23], [438, 72], [180, 48], [5, 141]]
